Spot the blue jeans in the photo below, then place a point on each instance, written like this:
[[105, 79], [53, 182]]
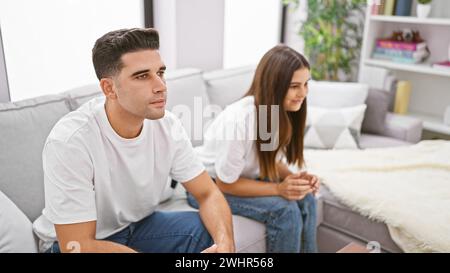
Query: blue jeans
[[162, 232], [290, 225]]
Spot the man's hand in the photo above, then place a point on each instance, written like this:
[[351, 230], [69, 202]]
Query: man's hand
[[224, 245], [211, 249], [220, 248], [294, 187], [313, 180]]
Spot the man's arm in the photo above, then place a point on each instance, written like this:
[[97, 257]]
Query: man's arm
[[80, 238], [214, 211]]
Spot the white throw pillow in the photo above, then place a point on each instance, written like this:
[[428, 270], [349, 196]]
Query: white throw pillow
[[337, 94], [16, 230], [329, 128]]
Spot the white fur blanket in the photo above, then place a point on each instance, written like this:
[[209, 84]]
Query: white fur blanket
[[408, 188]]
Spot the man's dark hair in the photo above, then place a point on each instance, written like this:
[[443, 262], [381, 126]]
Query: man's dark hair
[[108, 49]]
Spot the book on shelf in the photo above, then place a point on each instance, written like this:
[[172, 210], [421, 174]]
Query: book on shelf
[[389, 7], [445, 65], [403, 8], [402, 97], [389, 52], [377, 7], [401, 45], [374, 8], [381, 7]]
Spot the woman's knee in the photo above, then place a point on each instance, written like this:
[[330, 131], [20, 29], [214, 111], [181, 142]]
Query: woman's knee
[[310, 202], [286, 210]]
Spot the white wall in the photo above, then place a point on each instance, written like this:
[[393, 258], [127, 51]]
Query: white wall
[[200, 33], [191, 32], [215, 34], [165, 22], [439, 8], [48, 43], [294, 19], [251, 28]]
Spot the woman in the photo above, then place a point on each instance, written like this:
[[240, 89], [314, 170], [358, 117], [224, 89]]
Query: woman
[[245, 146]]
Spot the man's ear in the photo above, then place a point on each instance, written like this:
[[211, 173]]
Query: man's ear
[[107, 85]]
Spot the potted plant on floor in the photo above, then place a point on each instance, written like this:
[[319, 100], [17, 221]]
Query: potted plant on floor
[[423, 8]]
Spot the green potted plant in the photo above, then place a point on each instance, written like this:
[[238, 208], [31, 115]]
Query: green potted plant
[[423, 8], [333, 36]]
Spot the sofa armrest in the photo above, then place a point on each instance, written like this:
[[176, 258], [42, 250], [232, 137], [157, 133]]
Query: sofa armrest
[[319, 208], [402, 127]]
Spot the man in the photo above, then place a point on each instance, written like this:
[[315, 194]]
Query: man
[[107, 163]]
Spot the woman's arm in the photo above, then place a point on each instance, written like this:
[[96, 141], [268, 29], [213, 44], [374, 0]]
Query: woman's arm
[[292, 188], [245, 187], [283, 170]]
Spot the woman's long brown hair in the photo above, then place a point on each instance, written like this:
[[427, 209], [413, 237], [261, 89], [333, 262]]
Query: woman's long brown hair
[[269, 87]]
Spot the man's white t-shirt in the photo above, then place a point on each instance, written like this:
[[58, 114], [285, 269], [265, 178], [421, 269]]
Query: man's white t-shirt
[[229, 149], [93, 174]]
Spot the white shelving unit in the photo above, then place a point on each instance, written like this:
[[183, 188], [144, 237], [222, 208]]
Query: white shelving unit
[[411, 20], [432, 123], [417, 68], [428, 106]]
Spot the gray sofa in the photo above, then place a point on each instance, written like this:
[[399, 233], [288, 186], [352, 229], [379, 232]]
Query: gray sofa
[[25, 125]]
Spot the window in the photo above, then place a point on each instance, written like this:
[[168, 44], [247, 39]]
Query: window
[[48, 44]]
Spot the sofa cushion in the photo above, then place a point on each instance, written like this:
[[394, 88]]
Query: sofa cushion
[[337, 94], [25, 126], [377, 108], [187, 99], [342, 219], [229, 85], [82, 94], [329, 128], [16, 230]]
